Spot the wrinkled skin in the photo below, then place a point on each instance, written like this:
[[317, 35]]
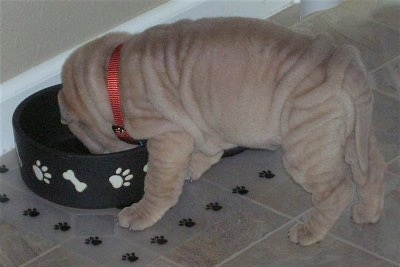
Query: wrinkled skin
[[196, 88]]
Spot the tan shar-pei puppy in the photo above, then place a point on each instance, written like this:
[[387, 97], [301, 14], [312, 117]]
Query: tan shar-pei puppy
[[197, 88]]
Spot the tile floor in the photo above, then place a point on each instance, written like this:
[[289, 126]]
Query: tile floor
[[250, 229]]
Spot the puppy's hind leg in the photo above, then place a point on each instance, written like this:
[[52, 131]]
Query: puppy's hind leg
[[328, 205], [370, 186], [169, 155], [200, 163], [314, 157]]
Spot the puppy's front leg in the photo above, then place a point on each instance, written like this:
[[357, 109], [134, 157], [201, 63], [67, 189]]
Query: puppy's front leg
[[169, 155]]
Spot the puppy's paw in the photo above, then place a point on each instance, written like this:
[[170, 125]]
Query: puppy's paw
[[300, 234], [135, 218], [192, 175], [363, 214]]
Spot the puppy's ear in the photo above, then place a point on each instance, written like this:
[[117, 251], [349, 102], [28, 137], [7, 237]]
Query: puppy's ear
[[65, 116]]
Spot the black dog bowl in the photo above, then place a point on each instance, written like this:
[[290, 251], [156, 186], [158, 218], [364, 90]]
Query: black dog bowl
[[57, 167]]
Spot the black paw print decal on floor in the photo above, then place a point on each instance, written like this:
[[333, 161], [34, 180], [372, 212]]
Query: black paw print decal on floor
[[187, 222], [31, 212], [266, 174], [3, 169], [160, 240], [241, 190], [215, 206], [62, 227], [4, 198], [131, 257], [95, 241]]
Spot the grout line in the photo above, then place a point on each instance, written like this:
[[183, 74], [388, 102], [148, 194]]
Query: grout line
[[371, 73], [384, 64], [363, 249], [41, 255], [296, 219], [62, 245], [394, 174], [385, 94], [254, 201], [387, 171], [371, 19], [393, 160], [169, 261]]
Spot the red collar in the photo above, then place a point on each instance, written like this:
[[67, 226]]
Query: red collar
[[115, 99]]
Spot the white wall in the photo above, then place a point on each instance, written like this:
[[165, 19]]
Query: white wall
[[33, 31], [14, 90]]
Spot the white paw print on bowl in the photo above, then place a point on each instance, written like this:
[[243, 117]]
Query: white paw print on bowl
[[121, 178], [41, 172], [145, 167]]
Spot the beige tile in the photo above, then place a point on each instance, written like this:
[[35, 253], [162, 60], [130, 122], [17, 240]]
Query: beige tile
[[278, 251], [374, 36], [356, 8], [388, 14], [192, 204], [61, 257], [18, 247], [386, 124], [13, 177], [394, 167], [319, 25], [281, 192], [237, 224], [221, 240], [287, 17], [377, 43], [43, 224], [161, 263], [387, 78], [87, 225], [379, 10], [9, 160], [111, 251]]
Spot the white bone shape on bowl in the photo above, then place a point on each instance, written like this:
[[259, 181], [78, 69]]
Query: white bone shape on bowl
[[70, 176]]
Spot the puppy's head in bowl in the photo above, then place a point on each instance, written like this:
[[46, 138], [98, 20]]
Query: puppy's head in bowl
[[83, 100], [87, 123], [58, 167]]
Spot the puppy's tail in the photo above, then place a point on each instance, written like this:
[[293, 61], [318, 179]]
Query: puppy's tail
[[361, 140]]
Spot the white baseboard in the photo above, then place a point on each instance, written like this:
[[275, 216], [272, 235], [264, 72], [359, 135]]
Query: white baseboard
[[13, 91]]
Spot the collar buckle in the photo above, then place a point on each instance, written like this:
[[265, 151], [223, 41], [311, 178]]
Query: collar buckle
[[123, 135], [115, 101]]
